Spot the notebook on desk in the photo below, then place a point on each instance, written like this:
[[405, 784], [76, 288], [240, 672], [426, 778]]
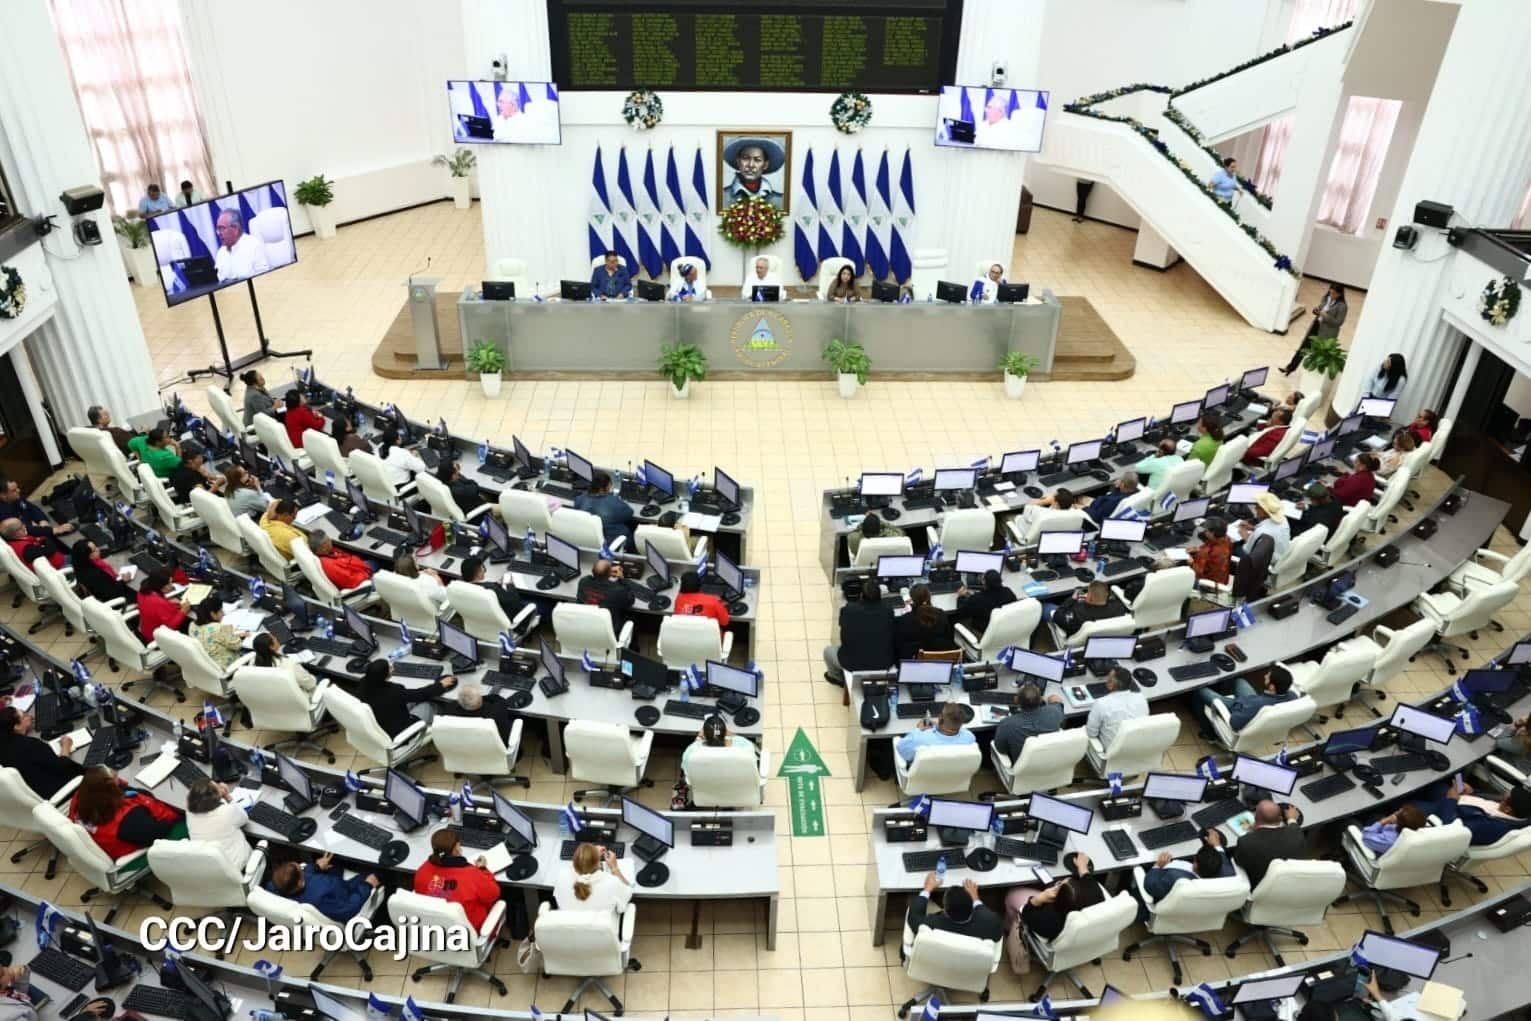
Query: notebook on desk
[[156, 772], [78, 739], [498, 858]]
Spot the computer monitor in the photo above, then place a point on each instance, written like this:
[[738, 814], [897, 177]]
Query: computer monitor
[[1349, 742], [402, 793], [977, 562], [1110, 647], [1377, 407], [1080, 453], [1382, 951], [518, 449], [1266, 775], [882, 483], [900, 566], [1035, 664], [1190, 510], [1246, 492], [497, 290], [1059, 543], [216, 1007], [884, 291], [1123, 529], [358, 626], [582, 469], [413, 523], [1216, 397], [564, 553], [1185, 411], [332, 1008], [1286, 469], [1283, 988], [950, 479], [459, 643], [765, 292], [1422, 724], [1321, 451], [516, 822], [1253, 378], [1060, 813], [657, 564], [1109, 994], [294, 605], [725, 486], [642, 671], [294, 778], [1009, 294], [931, 672], [649, 290], [498, 537], [551, 663], [648, 822], [731, 678], [358, 497], [1018, 462], [659, 478], [1349, 424], [976, 816], [1173, 787], [574, 290], [1520, 654], [1132, 429], [1207, 623], [947, 291], [729, 573]]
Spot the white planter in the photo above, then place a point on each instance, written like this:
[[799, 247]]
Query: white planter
[[490, 381], [323, 220], [143, 265], [681, 394], [848, 384], [1014, 386], [1316, 382], [462, 196]]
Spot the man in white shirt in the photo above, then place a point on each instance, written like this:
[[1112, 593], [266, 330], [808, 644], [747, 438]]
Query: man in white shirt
[[239, 254], [685, 289], [763, 278], [996, 129], [1123, 702], [1270, 519], [520, 119], [985, 289]]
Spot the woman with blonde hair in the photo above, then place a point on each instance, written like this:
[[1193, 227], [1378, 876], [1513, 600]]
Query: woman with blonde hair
[[592, 881]]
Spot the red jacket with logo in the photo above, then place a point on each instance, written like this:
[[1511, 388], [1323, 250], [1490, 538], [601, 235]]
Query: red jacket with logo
[[106, 835], [453, 879]]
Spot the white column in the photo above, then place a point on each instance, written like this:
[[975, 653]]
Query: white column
[[1475, 133], [93, 350]]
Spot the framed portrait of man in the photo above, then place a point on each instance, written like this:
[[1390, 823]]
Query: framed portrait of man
[[754, 162]]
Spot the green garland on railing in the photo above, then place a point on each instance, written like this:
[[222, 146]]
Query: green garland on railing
[[1182, 122], [1318, 33]]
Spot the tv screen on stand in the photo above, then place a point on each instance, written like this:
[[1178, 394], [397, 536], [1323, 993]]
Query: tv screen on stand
[[223, 241], [979, 117], [509, 113]]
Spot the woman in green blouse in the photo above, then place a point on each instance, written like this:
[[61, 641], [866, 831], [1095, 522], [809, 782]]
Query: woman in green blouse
[[1210, 437]]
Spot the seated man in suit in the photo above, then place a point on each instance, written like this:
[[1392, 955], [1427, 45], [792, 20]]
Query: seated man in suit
[[1276, 687], [1209, 862], [1095, 601], [1321, 509], [505, 592], [1277, 834], [961, 911], [867, 636], [1105, 505], [610, 279], [1488, 820], [975, 608], [473, 703]]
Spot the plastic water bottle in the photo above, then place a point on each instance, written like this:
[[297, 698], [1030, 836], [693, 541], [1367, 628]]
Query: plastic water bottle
[[327, 626], [941, 869], [893, 699], [329, 480], [268, 1015], [454, 807]]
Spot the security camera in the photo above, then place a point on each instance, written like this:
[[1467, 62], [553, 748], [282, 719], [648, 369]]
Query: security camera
[[498, 66], [998, 72]]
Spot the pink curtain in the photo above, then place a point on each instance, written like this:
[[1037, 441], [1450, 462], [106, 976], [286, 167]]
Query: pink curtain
[[1352, 181], [132, 78]]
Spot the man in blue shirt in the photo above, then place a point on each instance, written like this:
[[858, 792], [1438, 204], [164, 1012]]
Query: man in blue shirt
[[615, 513], [335, 896], [1246, 701], [1105, 505], [1225, 183], [611, 280], [947, 730], [153, 203]]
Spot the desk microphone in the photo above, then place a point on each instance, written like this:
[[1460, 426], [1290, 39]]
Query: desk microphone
[[421, 269], [1413, 563], [1453, 960]]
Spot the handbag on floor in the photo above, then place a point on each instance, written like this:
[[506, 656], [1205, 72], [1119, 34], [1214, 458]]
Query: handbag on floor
[[529, 957], [1015, 950]]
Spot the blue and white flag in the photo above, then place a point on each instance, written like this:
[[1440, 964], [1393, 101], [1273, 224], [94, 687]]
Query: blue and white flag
[[47, 920], [410, 1012], [483, 452], [1469, 721], [934, 556], [211, 717], [530, 538], [1359, 959], [329, 479], [649, 225], [828, 217], [879, 220], [694, 680], [467, 796], [537, 1014], [269, 970], [81, 674], [606, 553], [1009, 549], [698, 212], [405, 636], [853, 206], [913, 478], [1281, 755], [701, 565], [1206, 1000], [981, 465], [1460, 693], [1044, 1008], [641, 474], [376, 1007], [354, 783], [1207, 768], [257, 589], [598, 225], [204, 560], [932, 1011], [1057, 447], [902, 240], [172, 958], [152, 537], [1126, 512], [507, 644], [805, 224], [1068, 660], [586, 663], [672, 212], [1243, 616], [920, 805], [1168, 500], [694, 486], [483, 527], [1114, 780], [569, 818], [752, 668]]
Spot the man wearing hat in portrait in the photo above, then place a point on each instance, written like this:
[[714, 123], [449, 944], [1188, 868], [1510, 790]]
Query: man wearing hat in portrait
[[1270, 519], [756, 163]]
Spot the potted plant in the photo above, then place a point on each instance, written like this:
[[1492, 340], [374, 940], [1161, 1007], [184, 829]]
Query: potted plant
[[1016, 365], [1322, 363], [137, 250], [316, 194], [850, 363], [680, 364], [460, 164], [486, 359]]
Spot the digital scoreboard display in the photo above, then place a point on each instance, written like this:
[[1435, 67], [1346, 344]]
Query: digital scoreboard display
[[708, 45]]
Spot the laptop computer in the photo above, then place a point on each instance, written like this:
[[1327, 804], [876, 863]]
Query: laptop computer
[[475, 127], [198, 270]]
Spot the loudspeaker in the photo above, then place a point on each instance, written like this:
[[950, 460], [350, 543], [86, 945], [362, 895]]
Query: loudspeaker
[[84, 199], [1433, 214]]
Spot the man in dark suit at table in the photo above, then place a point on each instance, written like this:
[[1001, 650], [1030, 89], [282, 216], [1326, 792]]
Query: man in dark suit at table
[[961, 912], [1487, 819], [610, 279], [1277, 834]]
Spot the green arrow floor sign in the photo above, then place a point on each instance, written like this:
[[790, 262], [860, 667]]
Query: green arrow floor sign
[[802, 766]]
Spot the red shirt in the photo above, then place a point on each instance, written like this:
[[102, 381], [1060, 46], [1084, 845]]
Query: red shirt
[[345, 570], [25, 543], [457, 881], [703, 604], [153, 610], [1353, 488], [299, 420], [1421, 433], [106, 836], [1266, 442]]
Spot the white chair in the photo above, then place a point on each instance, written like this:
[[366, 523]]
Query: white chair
[[1488, 568], [523, 511], [728, 777], [1438, 439], [981, 269], [882, 546], [1333, 680], [443, 505], [678, 271], [178, 520], [1381, 514], [1294, 892], [169, 245], [266, 553], [1390, 659], [584, 530], [972, 528], [292, 914], [107, 467], [670, 543], [16, 803], [376, 478], [1140, 503], [1087, 934], [273, 436], [407, 908], [1046, 762], [1417, 857], [1289, 570], [223, 407], [28, 586], [1462, 615], [692, 641], [1192, 905], [772, 277], [1161, 598], [480, 614], [1111, 626], [1337, 548], [112, 877], [58, 586], [947, 961], [828, 270], [938, 769], [1287, 445], [1220, 472], [273, 229], [586, 945], [218, 516], [1044, 519], [580, 629], [277, 703], [326, 591], [1180, 480], [406, 602], [472, 747], [606, 754], [1308, 406], [199, 876], [1011, 624], [363, 733], [124, 648], [1513, 843], [600, 260], [1414, 464], [1270, 726], [324, 452], [198, 669], [514, 271], [1138, 747]]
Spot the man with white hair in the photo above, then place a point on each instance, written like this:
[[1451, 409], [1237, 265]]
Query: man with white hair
[[762, 278], [472, 703], [985, 289], [239, 255]]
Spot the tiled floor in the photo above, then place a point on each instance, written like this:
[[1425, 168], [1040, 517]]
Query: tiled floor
[[790, 440]]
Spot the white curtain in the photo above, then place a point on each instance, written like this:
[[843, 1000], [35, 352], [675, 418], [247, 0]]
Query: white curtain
[[1364, 139], [132, 78], [1523, 218]]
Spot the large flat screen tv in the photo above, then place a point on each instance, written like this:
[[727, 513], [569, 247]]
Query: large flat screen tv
[[517, 113], [225, 240], [979, 117]]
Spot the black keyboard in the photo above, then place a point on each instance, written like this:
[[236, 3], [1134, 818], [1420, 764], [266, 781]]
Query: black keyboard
[[945, 587], [1328, 787], [277, 627], [1217, 813], [1407, 762], [188, 773], [690, 710], [926, 861], [1121, 567], [1044, 575], [148, 563], [894, 602], [56, 966], [161, 1001], [364, 833], [458, 549], [991, 697], [915, 710], [1194, 671], [421, 671], [557, 489], [273, 818], [1008, 847], [1164, 836], [328, 647], [566, 849], [479, 840], [1119, 842], [102, 744], [515, 682], [45, 713], [338, 521], [1057, 479], [1342, 613], [386, 536]]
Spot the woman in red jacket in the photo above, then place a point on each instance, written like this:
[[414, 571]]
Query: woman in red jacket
[[447, 874], [692, 600], [1358, 485], [300, 418], [122, 820], [155, 608], [1424, 425], [344, 570], [1268, 440]]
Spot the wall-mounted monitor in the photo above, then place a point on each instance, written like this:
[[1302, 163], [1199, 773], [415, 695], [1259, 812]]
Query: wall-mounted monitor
[[515, 113], [980, 117], [226, 240]]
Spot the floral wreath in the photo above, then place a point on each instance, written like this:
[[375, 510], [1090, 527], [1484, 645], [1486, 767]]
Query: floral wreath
[[642, 110], [13, 293], [752, 222], [851, 111], [1500, 301]]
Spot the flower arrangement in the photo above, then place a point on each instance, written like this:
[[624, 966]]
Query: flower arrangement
[[642, 109], [13, 293], [851, 111], [1318, 33], [751, 223], [1500, 301]]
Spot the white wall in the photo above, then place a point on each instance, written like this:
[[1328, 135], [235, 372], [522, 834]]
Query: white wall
[[352, 89]]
